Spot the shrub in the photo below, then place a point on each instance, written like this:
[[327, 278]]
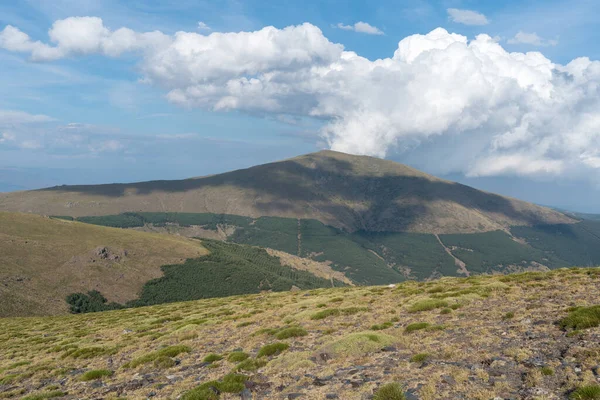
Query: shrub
[[390, 391], [96, 374], [212, 357], [416, 326], [381, 327], [582, 318], [419, 357], [237, 356], [547, 371], [325, 313], [46, 395], [170, 351], [359, 343], [426, 305], [446, 310], [272, 349], [295, 331], [508, 315], [231, 383], [590, 392], [164, 362]]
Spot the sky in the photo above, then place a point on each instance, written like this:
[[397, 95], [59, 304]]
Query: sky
[[502, 96]]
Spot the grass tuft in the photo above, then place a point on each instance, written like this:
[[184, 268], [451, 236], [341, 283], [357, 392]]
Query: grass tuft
[[272, 349], [590, 392], [96, 374], [582, 318], [390, 391]]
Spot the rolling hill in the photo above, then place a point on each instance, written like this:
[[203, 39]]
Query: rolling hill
[[353, 193], [525, 336]]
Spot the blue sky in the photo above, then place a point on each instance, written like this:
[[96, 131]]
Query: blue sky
[[89, 117]]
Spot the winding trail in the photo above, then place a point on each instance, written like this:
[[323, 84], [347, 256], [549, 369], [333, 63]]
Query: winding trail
[[462, 267]]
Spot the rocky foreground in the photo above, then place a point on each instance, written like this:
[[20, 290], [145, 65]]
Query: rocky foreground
[[524, 336]]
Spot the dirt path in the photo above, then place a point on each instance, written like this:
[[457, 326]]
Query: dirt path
[[462, 267]]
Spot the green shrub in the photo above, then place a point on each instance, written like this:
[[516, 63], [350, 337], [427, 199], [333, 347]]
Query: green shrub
[[326, 313], [46, 395], [426, 305], [272, 349], [590, 392], [212, 357], [419, 357], [446, 310], [390, 391], [164, 362], [381, 327], [237, 356], [170, 351], [231, 383], [508, 315], [547, 371], [295, 331], [96, 374], [416, 326], [582, 318]]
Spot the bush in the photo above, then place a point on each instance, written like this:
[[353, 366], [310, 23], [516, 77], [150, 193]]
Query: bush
[[446, 310], [96, 374], [390, 391], [416, 326], [419, 357], [295, 331], [237, 356], [93, 301], [325, 313], [381, 327], [582, 318], [508, 315], [164, 362], [272, 349], [426, 305], [170, 351], [231, 383], [212, 358], [250, 365], [591, 392], [46, 395], [547, 371]]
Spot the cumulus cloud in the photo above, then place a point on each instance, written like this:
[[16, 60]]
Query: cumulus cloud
[[11, 117], [488, 111], [361, 27], [203, 26], [7, 137], [531, 39], [467, 17]]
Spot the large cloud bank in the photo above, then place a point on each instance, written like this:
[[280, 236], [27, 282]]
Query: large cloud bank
[[512, 113]]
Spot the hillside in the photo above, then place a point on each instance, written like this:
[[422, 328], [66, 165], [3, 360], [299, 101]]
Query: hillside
[[42, 260], [526, 336], [345, 191]]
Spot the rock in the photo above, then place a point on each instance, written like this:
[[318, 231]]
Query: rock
[[292, 396], [246, 394], [331, 396], [389, 348], [448, 380]]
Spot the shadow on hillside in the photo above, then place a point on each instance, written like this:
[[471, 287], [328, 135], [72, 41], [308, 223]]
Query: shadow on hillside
[[329, 185]]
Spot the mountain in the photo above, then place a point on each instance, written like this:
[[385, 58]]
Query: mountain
[[523, 336], [353, 193]]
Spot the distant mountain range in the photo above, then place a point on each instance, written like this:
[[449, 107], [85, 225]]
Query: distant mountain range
[[322, 219]]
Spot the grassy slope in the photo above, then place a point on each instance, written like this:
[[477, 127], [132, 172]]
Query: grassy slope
[[351, 192], [42, 260], [493, 342]]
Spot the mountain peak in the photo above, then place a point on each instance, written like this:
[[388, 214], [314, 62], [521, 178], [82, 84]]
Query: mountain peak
[[347, 191]]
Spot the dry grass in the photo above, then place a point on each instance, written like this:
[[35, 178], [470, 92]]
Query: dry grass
[[462, 360]]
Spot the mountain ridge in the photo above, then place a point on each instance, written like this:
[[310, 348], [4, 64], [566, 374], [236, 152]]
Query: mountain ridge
[[345, 191]]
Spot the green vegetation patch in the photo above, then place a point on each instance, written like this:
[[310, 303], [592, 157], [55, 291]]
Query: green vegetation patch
[[417, 326], [333, 312], [237, 356], [212, 358], [582, 318], [426, 305], [96, 374], [359, 343], [291, 332], [272, 349], [380, 327], [590, 392], [45, 395], [231, 383], [390, 391], [419, 357], [170, 351]]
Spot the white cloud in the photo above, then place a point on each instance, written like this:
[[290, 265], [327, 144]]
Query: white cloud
[[30, 144], [7, 137], [203, 27], [488, 111], [467, 17], [531, 39], [12, 117], [361, 27]]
